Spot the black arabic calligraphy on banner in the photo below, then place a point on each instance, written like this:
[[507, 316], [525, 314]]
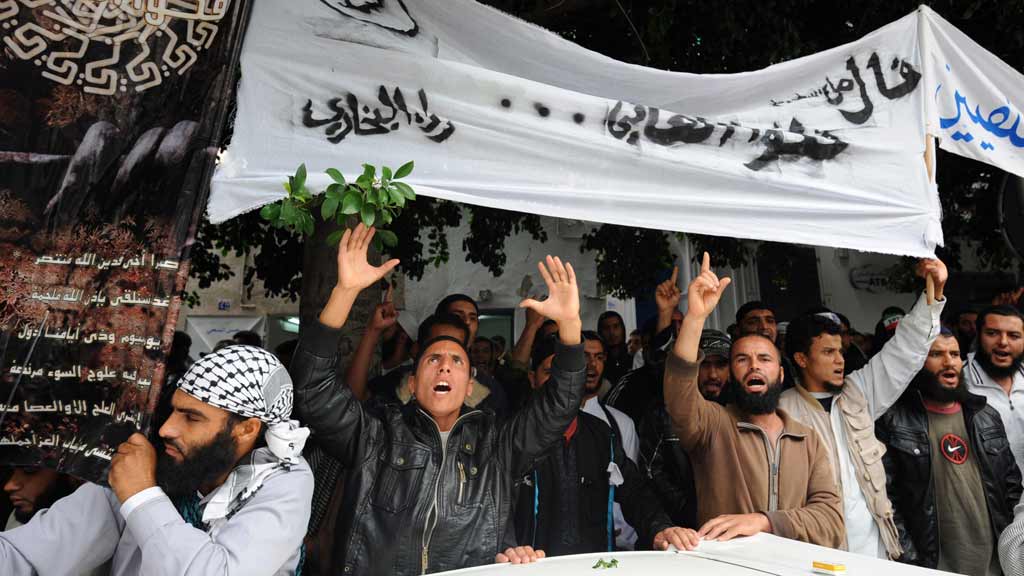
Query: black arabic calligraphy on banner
[[634, 123]]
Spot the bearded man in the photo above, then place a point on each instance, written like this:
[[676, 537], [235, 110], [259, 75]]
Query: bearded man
[[951, 477], [229, 493]]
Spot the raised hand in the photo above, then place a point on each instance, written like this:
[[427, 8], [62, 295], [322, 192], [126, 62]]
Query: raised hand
[[936, 269], [667, 295], [133, 468], [705, 291], [355, 272], [563, 302], [384, 317]]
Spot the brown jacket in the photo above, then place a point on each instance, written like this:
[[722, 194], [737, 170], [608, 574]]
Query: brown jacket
[[737, 471]]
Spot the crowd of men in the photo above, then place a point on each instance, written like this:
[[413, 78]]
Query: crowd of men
[[460, 451]]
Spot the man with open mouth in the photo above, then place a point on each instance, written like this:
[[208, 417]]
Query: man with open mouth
[[951, 476], [995, 369], [738, 451], [428, 484], [843, 409]]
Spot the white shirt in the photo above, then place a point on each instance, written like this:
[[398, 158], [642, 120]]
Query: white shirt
[[626, 539], [1010, 408], [862, 535]]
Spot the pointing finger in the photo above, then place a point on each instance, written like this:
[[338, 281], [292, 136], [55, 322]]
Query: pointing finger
[[705, 265]]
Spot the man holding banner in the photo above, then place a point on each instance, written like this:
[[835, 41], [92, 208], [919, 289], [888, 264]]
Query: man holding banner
[[211, 502]]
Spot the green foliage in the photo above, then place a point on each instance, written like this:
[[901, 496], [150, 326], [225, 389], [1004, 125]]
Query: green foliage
[[375, 202], [488, 230], [628, 259]]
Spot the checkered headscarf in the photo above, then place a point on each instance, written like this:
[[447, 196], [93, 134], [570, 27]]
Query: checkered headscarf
[[243, 380], [252, 383]]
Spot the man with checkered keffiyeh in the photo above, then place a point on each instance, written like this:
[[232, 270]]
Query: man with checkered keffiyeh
[[229, 493]]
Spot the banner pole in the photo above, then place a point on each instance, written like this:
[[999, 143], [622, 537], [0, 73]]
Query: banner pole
[[929, 162]]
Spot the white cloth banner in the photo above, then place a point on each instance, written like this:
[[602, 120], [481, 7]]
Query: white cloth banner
[[974, 99], [824, 150]]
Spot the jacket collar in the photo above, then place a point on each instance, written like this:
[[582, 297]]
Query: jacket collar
[[973, 403], [806, 395], [790, 427]]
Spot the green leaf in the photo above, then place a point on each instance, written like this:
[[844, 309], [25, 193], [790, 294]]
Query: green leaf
[[386, 173], [334, 237], [369, 171], [389, 238], [335, 175], [300, 178], [405, 170], [328, 208], [405, 189], [334, 191], [377, 244], [270, 211], [368, 214], [396, 196], [288, 185], [307, 224], [351, 203], [385, 218], [371, 197], [364, 182], [288, 212]]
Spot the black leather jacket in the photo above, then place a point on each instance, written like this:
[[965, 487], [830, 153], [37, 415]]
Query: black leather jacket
[[667, 466], [397, 475], [904, 431]]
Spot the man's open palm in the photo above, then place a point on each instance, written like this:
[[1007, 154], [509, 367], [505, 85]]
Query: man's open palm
[[563, 302], [354, 271]]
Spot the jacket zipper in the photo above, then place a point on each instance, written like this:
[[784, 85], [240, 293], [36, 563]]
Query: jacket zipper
[[773, 464], [462, 479], [431, 522]]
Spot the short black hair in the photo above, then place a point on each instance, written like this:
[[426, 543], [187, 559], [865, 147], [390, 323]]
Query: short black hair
[[997, 310], [802, 331], [591, 335], [442, 306], [442, 319], [542, 349], [489, 342], [756, 335], [248, 338], [844, 321], [610, 314], [750, 307]]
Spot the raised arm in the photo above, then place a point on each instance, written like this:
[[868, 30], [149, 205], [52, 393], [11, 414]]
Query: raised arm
[[520, 357], [887, 375], [693, 417], [358, 374], [548, 413], [328, 407]]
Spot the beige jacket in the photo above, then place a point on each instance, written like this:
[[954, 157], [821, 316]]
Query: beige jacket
[[738, 471], [867, 394]]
